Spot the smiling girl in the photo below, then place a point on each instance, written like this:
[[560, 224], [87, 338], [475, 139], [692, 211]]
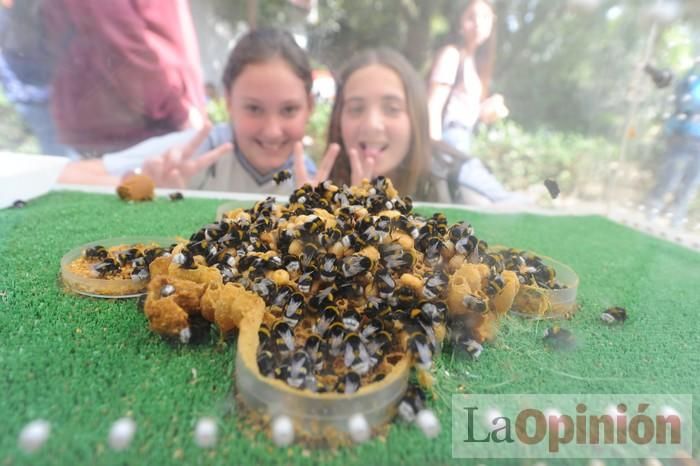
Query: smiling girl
[[268, 97], [379, 124]]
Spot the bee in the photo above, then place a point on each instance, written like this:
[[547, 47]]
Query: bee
[[466, 342], [291, 263], [406, 297], [264, 336], [466, 245], [559, 338], [314, 348], [383, 225], [282, 176], [166, 290], [284, 293], [299, 369], [185, 259], [459, 231], [412, 402], [322, 298], [355, 356], [614, 315], [474, 303], [266, 363], [435, 285], [495, 284], [140, 274], [107, 267], [350, 290], [385, 283], [399, 262], [494, 262], [313, 226], [96, 253], [176, 196], [420, 348], [329, 315], [405, 206], [402, 223], [306, 280], [544, 275], [348, 384], [352, 241], [265, 288], [151, 254], [308, 255], [354, 265], [437, 311], [378, 344], [283, 337], [552, 187], [433, 251], [351, 320], [294, 309], [371, 328], [376, 308], [328, 268], [217, 230], [334, 337]]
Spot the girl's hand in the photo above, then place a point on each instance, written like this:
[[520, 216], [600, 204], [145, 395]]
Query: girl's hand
[[361, 168], [301, 176], [175, 168], [493, 109]]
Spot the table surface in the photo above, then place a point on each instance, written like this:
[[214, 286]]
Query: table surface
[[82, 363]]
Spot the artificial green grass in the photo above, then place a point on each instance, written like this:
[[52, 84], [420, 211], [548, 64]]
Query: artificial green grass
[[82, 363]]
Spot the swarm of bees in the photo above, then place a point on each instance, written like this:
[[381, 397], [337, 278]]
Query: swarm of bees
[[120, 262], [352, 280]]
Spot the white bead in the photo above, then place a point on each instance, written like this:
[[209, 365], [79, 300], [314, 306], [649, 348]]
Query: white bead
[[428, 423], [359, 428], [34, 435], [121, 433], [551, 412], [206, 432], [282, 431]]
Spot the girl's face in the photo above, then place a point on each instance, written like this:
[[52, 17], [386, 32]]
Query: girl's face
[[269, 108], [374, 120], [477, 23]]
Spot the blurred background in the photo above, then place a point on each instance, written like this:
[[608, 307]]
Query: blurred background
[[583, 109]]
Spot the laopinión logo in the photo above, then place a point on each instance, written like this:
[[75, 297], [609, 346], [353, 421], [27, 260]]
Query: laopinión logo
[[571, 426]]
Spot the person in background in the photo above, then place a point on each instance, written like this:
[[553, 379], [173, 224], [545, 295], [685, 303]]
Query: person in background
[[25, 72], [379, 122], [268, 97], [124, 71], [459, 99], [680, 173]]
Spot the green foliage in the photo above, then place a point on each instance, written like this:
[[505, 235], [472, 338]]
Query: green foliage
[[317, 129], [523, 158]]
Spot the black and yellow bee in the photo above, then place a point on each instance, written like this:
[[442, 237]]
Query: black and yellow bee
[[96, 253], [614, 315], [107, 267], [348, 384], [412, 402], [475, 304], [559, 338], [282, 176]]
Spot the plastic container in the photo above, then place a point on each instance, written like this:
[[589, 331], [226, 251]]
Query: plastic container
[[542, 303], [319, 418], [108, 288]]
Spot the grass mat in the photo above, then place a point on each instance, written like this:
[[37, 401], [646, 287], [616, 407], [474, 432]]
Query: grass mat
[[82, 363]]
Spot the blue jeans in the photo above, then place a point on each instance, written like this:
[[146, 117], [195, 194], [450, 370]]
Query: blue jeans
[[473, 174], [679, 176]]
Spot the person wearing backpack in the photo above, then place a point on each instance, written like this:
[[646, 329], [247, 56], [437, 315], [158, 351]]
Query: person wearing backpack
[[680, 174]]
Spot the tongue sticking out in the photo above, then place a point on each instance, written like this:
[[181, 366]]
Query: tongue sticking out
[[372, 151]]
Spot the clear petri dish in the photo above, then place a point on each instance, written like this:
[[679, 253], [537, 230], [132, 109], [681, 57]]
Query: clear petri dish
[[78, 282], [317, 417], [542, 303]]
